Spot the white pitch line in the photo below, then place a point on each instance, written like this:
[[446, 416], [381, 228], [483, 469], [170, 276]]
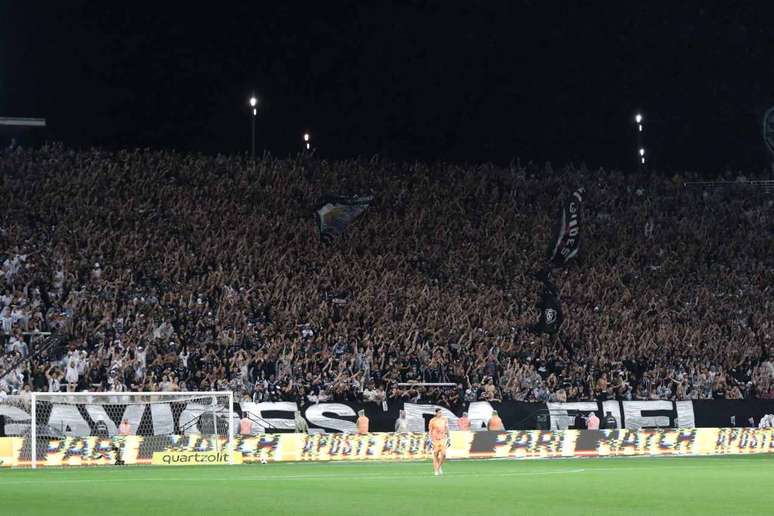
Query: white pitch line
[[285, 477], [670, 462]]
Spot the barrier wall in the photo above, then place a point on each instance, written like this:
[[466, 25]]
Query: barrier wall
[[340, 417], [531, 444]]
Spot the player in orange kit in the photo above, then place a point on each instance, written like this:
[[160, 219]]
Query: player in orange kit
[[439, 433]]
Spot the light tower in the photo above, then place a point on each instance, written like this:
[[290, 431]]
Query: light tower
[[254, 106], [639, 122]]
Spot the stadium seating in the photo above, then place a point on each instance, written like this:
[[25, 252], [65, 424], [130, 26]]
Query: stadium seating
[[172, 272]]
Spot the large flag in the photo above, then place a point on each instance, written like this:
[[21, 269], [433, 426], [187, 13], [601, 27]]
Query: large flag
[[550, 307], [563, 248], [338, 212]]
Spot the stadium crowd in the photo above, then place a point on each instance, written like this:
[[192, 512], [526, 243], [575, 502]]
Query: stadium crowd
[[183, 272]]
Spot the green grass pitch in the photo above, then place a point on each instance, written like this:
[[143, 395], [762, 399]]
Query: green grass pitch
[[703, 485]]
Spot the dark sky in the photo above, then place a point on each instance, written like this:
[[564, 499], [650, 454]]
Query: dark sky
[[484, 81]]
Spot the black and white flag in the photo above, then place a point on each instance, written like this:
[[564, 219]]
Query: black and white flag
[[564, 247], [551, 317], [550, 308]]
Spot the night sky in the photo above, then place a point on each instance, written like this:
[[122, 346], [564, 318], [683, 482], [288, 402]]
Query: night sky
[[482, 81]]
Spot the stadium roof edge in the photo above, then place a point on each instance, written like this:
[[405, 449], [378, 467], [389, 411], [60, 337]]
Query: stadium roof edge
[[23, 121]]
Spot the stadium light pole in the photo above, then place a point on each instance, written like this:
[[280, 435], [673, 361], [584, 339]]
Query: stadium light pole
[[254, 107], [639, 121]]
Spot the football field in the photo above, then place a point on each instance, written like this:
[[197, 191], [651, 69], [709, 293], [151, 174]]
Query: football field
[[701, 485]]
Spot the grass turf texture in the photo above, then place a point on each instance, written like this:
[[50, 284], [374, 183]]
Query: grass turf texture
[[675, 485]]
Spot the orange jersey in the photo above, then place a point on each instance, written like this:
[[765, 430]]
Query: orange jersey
[[438, 429]]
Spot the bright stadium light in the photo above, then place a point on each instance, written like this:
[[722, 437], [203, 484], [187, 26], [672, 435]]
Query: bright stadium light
[[253, 104], [639, 132], [306, 137]]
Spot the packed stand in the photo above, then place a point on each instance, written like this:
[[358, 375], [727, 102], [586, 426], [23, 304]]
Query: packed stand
[[170, 272]]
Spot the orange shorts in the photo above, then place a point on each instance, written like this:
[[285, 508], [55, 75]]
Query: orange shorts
[[439, 445]]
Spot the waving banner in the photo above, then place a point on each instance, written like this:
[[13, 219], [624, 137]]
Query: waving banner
[[337, 213], [563, 248], [550, 308], [340, 417]]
